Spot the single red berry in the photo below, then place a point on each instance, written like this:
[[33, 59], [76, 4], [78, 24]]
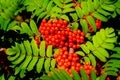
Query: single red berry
[[82, 34], [44, 21], [65, 22], [88, 71]]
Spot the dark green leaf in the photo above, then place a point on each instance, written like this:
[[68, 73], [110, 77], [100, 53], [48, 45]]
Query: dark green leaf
[[93, 75], [58, 3], [83, 74], [47, 65], [76, 76], [65, 74]]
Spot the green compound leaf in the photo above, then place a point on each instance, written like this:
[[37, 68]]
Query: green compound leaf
[[86, 59], [41, 15], [25, 28], [68, 5], [65, 17], [118, 11], [17, 70], [111, 73], [93, 75], [32, 63], [90, 6], [97, 48], [10, 51], [100, 17], [11, 78], [103, 12], [11, 25], [80, 53], [84, 25], [13, 58], [74, 16], [49, 51], [85, 48], [67, 1], [115, 56], [47, 65], [28, 47], [90, 45], [110, 69], [22, 73], [92, 59], [22, 55], [91, 22], [53, 63], [95, 42], [26, 62], [45, 77], [65, 74], [108, 45], [83, 74], [103, 77], [54, 76], [112, 65], [76, 76], [109, 31], [16, 55], [42, 48], [103, 52], [39, 65], [49, 6], [102, 34], [58, 3], [34, 47], [33, 27], [56, 9], [45, 3], [108, 7], [111, 40], [79, 12], [96, 4], [66, 10], [2, 77], [75, 26], [84, 8], [99, 56], [58, 75]]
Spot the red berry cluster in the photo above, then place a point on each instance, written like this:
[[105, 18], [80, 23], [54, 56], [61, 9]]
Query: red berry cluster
[[67, 60], [57, 33], [88, 68], [98, 25], [70, 61]]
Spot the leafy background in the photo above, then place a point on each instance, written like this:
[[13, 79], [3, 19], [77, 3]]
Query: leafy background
[[19, 22]]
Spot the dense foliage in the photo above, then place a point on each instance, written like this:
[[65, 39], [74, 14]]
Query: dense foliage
[[59, 39]]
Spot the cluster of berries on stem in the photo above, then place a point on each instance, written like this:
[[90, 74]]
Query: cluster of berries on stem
[[58, 33], [69, 61]]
